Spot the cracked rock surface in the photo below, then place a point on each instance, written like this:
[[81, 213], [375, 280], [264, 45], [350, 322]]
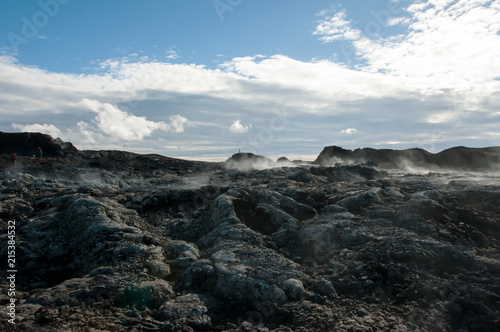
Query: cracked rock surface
[[113, 241]]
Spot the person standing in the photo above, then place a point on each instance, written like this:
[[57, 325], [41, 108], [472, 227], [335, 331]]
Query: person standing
[[13, 157], [40, 152]]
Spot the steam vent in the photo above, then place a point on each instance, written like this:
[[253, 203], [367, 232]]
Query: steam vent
[[356, 240]]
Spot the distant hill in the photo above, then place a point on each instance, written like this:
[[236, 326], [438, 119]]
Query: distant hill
[[458, 158], [246, 161], [27, 144]]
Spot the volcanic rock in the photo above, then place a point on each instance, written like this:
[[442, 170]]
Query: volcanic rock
[[283, 160], [248, 161], [116, 241], [457, 158], [27, 144]]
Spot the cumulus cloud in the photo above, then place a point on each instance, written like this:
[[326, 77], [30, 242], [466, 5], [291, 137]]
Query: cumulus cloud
[[42, 128], [349, 131], [442, 49], [88, 133], [178, 122], [238, 128], [119, 124]]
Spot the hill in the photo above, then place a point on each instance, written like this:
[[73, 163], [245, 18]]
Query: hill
[[27, 144], [457, 158]]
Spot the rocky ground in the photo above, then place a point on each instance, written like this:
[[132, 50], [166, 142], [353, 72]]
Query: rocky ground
[[112, 241]]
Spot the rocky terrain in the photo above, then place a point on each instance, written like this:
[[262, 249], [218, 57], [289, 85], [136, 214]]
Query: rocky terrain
[[458, 158], [115, 241], [28, 144]]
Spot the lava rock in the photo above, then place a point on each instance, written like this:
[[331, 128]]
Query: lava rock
[[299, 211], [301, 176]]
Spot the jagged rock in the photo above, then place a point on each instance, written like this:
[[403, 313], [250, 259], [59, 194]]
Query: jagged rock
[[267, 196], [455, 158], [231, 230], [276, 217], [188, 310], [200, 274], [333, 208], [252, 274], [185, 253], [299, 211], [142, 295], [158, 268], [324, 288], [294, 289], [301, 176], [359, 201], [27, 144], [220, 209]]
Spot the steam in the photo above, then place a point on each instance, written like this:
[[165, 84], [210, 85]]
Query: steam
[[245, 162], [249, 165], [194, 182]]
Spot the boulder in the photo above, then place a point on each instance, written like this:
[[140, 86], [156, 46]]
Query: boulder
[[188, 309], [300, 176], [297, 210], [359, 201]]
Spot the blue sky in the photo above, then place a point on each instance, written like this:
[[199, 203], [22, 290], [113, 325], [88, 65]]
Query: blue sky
[[202, 79], [204, 32]]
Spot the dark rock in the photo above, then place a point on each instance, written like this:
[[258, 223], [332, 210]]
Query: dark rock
[[186, 310], [110, 240], [301, 176], [370, 163], [185, 254], [27, 144], [324, 288], [459, 158], [333, 208], [299, 211], [248, 161], [359, 201], [294, 289]]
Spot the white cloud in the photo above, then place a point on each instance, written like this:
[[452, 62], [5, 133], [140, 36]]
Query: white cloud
[[119, 124], [349, 131], [398, 21], [238, 128], [42, 128], [446, 46], [172, 54], [177, 123], [88, 133], [313, 78], [336, 27], [443, 117]]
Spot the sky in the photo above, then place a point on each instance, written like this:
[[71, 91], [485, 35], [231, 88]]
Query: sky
[[204, 79]]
